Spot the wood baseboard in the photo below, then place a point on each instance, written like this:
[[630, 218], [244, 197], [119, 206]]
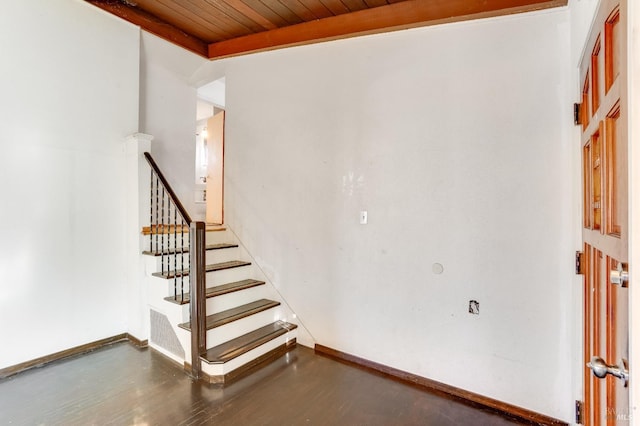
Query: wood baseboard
[[140, 344], [507, 410], [39, 362], [78, 350]]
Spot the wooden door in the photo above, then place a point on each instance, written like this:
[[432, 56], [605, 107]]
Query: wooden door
[[215, 169], [603, 117]]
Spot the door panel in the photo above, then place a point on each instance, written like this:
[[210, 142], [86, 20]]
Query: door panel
[[605, 216], [614, 156], [215, 169]]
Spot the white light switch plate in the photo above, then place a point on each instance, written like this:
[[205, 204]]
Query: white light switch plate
[[363, 217]]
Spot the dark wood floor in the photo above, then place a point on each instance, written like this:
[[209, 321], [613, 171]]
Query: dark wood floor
[[122, 385]]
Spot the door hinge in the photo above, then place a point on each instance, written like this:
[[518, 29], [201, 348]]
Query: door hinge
[[579, 263], [579, 412], [576, 114]]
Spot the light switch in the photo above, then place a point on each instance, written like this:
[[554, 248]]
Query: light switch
[[363, 217]]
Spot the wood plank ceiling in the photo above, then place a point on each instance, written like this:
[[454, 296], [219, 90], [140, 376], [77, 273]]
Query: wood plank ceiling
[[222, 28]]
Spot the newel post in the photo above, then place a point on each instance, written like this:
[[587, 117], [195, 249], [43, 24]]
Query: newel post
[[197, 303]]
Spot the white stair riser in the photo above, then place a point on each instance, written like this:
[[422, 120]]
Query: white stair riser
[[211, 256], [219, 237], [222, 255], [214, 278], [155, 263], [237, 298], [184, 337], [229, 331], [157, 294], [168, 239], [160, 288], [225, 276], [167, 242], [221, 369], [237, 328]]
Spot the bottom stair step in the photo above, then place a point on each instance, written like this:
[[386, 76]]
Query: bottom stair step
[[243, 344]]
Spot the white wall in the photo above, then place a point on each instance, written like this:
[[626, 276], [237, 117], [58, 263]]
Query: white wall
[[168, 113], [69, 84], [457, 140], [582, 13]]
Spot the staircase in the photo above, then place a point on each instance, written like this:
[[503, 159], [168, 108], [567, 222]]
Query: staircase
[[245, 324]]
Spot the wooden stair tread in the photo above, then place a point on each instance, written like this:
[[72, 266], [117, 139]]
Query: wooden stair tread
[[243, 344], [218, 290], [234, 314], [186, 249], [209, 268], [179, 229], [214, 228]]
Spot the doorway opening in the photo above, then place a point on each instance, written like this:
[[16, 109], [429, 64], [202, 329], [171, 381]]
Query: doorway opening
[[210, 150]]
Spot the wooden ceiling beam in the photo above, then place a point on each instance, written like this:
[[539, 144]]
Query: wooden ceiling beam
[[153, 25], [393, 17]]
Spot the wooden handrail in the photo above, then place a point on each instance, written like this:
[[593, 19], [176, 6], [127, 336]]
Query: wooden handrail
[[172, 194]]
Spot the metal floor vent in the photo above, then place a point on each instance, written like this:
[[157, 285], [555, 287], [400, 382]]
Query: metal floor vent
[[162, 334]]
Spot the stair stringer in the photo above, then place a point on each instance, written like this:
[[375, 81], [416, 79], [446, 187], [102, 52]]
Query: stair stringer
[[304, 337]]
